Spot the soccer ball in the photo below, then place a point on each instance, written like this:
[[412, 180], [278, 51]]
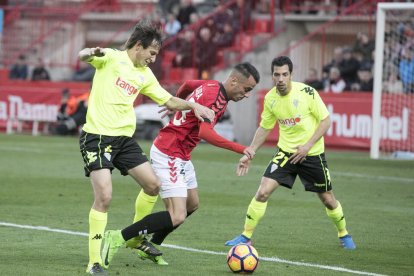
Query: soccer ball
[[242, 258]]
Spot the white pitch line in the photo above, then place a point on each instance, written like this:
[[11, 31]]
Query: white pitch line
[[269, 259]]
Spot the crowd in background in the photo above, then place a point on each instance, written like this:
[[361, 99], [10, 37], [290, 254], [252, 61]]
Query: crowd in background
[[349, 70], [196, 40], [352, 67]]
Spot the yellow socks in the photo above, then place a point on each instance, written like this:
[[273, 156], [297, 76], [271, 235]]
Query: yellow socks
[[255, 212], [143, 207], [97, 224], [337, 217]]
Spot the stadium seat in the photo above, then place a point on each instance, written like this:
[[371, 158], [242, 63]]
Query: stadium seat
[[4, 74], [261, 26], [245, 42], [190, 74], [167, 57], [175, 74]]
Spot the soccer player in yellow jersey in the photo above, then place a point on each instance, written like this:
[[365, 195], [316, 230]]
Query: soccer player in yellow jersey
[[106, 141], [303, 120]]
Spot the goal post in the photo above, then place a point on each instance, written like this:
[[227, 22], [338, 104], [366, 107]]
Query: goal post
[[392, 113]]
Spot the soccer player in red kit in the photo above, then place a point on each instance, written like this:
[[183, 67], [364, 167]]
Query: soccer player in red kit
[[171, 150]]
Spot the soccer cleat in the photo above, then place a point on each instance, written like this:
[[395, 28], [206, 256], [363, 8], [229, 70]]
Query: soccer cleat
[[159, 260], [237, 240], [112, 242], [347, 242], [134, 242], [96, 269], [149, 248]]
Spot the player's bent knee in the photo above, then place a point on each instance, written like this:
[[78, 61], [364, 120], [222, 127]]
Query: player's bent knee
[[152, 188], [262, 196]]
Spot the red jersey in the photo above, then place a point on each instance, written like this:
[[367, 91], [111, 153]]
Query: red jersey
[[181, 135]]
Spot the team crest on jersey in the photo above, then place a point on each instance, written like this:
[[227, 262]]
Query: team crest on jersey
[[295, 103], [198, 92]]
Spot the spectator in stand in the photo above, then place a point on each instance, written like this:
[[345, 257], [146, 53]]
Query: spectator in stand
[[40, 72], [225, 37], [74, 115], [20, 70], [194, 17], [212, 25], [348, 67], [406, 68], [206, 52], [364, 45], [393, 85], [365, 82], [184, 56], [313, 80], [334, 83], [336, 61], [172, 26], [168, 6], [242, 14], [184, 12]]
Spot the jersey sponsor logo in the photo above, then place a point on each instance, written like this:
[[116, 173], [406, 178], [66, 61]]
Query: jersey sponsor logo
[[290, 122], [129, 89]]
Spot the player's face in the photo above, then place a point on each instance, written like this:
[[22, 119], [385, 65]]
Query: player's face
[[143, 57], [282, 79], [242, 88]]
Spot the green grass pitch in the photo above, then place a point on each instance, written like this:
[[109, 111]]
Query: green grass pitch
[[45, 200]]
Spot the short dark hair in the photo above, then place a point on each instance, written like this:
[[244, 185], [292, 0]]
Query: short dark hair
[[247, 70], [280, 61], [145, 32]]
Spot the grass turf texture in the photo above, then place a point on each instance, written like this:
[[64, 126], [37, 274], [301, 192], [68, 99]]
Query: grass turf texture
[[42, 184]]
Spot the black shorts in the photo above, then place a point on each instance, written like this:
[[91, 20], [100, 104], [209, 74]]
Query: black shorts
[[313, 172], [100, 151]]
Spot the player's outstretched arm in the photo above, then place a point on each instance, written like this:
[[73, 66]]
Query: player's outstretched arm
[[259, 138], [87, 53], [208, 134], [200, 111]]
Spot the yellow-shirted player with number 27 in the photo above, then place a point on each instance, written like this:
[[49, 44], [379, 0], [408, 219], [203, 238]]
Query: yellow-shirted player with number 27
[[303, 120]]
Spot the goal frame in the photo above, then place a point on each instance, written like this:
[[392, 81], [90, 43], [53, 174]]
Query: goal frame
[[378, 66]]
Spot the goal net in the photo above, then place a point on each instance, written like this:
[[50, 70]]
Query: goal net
[[393, 98]]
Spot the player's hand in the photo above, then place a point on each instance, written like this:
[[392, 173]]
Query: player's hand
[[202, 112], [300, 155], [166, 112], [243, 166], [97, 52], [249, 152]]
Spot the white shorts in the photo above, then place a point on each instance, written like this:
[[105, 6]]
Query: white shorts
[[176, 175]]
